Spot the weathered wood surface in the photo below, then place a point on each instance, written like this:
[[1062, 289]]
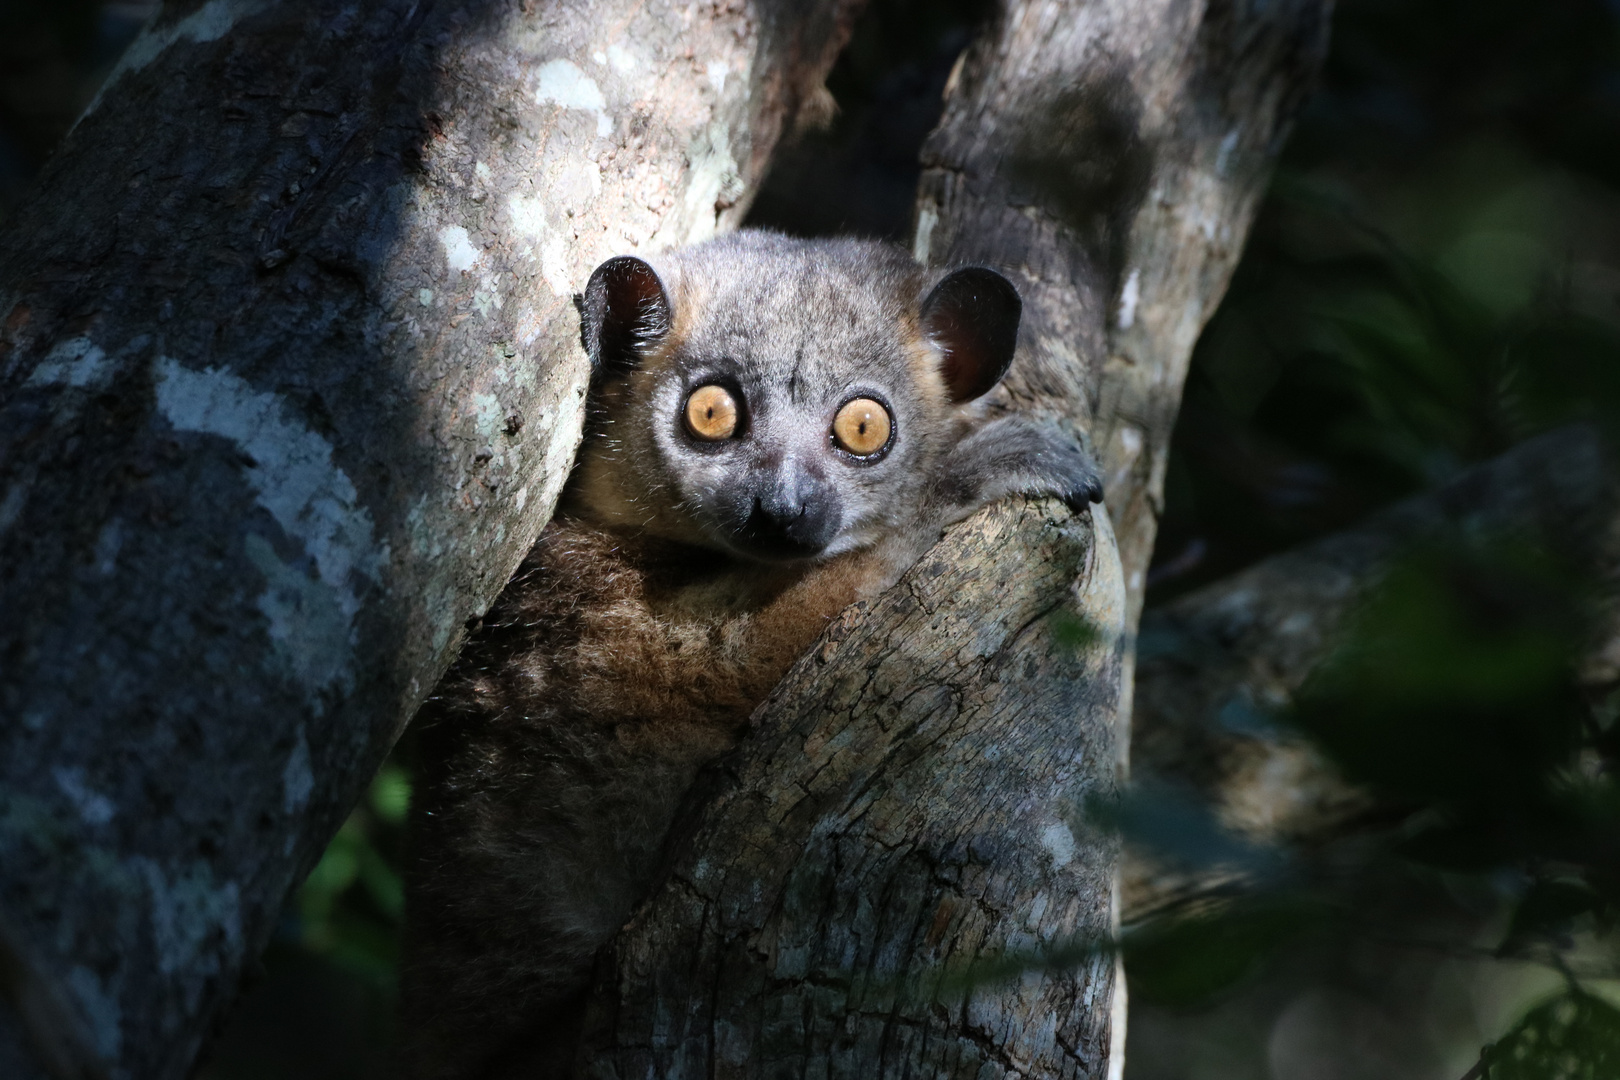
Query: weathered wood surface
[[879, 830], [1112, 155], [1214, 663], [289, 380], [836, 881]]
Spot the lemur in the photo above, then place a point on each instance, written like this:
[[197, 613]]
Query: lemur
[[777, 428]]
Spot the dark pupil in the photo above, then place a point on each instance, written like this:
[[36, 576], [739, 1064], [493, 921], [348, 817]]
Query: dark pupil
[[862, 428]]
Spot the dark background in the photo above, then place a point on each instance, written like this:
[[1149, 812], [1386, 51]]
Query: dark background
[[1434, 276]]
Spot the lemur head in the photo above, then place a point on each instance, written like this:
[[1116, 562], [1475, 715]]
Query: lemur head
[[778, 398]]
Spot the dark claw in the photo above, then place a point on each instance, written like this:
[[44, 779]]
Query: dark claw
[[1084, 496]]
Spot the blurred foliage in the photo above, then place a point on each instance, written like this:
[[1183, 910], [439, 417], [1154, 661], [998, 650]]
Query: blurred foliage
[[1575, 1036], [1187, 962], [352, 904], [1462, 659], [1434, 276], [1453, 696]]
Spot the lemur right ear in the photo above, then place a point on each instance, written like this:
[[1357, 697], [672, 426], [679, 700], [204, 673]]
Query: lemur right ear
[[972, 317], [623, 308]]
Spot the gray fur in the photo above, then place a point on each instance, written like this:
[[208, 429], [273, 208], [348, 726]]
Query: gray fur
[[799, 328]]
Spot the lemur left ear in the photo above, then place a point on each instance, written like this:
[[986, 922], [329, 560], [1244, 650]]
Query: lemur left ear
[[623, 308], [972, 317]]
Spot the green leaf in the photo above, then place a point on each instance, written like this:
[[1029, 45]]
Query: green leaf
[[1189, 962], [390, 794], [1574, 1036]]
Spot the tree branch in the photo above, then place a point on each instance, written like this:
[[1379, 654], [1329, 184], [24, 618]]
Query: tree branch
[[289, 381], [1246, 644]]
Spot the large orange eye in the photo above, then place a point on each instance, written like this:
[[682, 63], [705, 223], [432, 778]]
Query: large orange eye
[[862, 427], [711, 413]]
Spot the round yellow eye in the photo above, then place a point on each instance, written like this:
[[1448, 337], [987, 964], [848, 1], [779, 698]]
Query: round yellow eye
[[862, 427], [711, 413]]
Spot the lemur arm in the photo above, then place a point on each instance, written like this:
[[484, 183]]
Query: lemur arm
[[1015, 455]]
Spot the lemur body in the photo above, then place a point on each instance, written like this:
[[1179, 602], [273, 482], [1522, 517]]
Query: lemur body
[[779, 428]]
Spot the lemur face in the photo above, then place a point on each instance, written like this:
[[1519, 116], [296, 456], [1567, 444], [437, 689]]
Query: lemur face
[[781, 399]]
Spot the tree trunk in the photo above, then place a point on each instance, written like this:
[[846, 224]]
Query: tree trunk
[[1242, 647], [289, 381], [849, 892]]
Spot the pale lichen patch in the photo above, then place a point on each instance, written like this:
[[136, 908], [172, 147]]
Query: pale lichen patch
[[12, 505], [923, 245], [527, 214], [488, 416], [564, 83], [426, 543], [308, 627], [293, 476], [554, 267], [458, 249], [297, 778], [1129, 297], [77, 362], [714, 177], [528, 328], [576, 184], [94, 808], [564, 441], [1059, 844], [1228, 149], [194, 920], [292, 469]]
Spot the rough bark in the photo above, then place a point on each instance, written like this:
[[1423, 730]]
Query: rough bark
[[876, 837], [289, 380], [1113, 154], [910, 807], [1212, 664]]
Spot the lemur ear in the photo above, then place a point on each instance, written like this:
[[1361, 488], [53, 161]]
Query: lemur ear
[[972, 317], [623, 308]]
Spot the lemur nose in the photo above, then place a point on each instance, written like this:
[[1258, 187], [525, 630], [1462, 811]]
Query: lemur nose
[[789, 521], [781, 508]]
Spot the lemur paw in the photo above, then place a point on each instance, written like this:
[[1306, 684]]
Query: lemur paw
[[1081, 480], [1019, 455]]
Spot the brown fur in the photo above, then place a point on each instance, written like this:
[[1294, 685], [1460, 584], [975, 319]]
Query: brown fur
[[607, 674]]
